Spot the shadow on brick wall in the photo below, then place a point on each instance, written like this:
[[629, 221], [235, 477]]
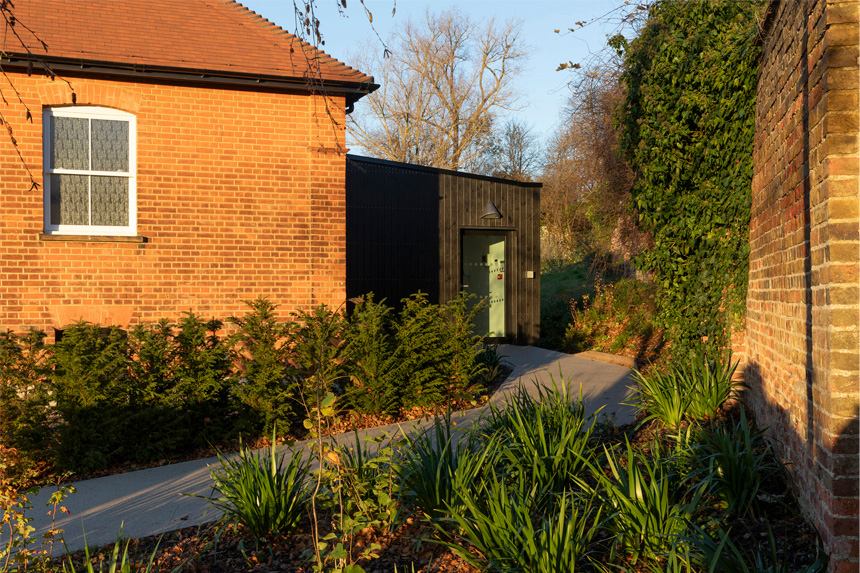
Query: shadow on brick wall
[[823, 457]]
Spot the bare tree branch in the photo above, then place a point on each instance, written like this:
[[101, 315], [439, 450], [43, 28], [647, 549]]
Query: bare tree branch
[[441, 87]]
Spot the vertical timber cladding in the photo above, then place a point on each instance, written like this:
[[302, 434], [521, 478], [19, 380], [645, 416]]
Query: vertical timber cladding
[[404, 227]]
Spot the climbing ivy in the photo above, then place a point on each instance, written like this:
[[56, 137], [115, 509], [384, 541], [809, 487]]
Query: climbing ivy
[[687, 127]]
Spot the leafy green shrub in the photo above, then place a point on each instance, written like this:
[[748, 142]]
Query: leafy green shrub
[[268, 385], [259, 493], [423, 356], [738, 460], [368, 485], [649, 507], [618, 317], [158, 422], [204, 376], [374, 364]]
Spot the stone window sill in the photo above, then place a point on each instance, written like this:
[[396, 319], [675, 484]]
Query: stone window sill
[[92, 238]]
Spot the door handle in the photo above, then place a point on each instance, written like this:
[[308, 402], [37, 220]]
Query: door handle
[[464, 286]]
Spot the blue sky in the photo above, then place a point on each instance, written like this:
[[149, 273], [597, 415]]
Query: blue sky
[[544, 89]]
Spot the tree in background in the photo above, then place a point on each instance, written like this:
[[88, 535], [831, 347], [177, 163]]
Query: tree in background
[[687, 124], [515, 153], [442, 85], [586, 195]]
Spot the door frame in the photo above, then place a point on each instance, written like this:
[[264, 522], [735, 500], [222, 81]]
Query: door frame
[[505, 233]]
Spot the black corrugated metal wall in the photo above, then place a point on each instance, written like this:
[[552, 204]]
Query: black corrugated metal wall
[[404, 226]]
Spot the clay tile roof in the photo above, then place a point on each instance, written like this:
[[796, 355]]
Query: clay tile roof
[[218, 36]]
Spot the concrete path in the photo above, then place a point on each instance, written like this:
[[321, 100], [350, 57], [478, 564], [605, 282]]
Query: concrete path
[[151, 501]]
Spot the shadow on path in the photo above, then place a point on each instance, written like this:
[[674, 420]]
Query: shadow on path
[[151, 501]]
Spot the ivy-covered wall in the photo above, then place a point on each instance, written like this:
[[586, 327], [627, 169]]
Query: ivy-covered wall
[[802, 306], [687, 126]]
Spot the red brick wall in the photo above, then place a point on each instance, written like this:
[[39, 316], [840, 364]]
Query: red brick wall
[[802, 312], [240, 194]]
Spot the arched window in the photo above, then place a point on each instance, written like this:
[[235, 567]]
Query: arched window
[[89, 159]]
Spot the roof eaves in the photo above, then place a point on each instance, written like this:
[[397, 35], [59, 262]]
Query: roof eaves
[[353, 90]]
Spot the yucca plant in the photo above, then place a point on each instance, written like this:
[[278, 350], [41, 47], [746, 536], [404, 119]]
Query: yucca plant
[[434, 469], [710, 384], [259, 493], [544, 438], [650, 507], [661, 396], [737, 461], [501, 531]]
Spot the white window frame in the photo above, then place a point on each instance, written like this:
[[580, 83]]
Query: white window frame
[[90, 112]]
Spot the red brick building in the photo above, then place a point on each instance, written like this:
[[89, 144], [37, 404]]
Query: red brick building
[[803, 320], [189, 155]]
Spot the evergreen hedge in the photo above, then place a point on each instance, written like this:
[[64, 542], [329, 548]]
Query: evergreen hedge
[[102, 396]]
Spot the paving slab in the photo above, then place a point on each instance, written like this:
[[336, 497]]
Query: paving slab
[[157, 500]]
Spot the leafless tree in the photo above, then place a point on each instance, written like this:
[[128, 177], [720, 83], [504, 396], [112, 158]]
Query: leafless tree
[[585, 199], [515, 153], [443, 82]]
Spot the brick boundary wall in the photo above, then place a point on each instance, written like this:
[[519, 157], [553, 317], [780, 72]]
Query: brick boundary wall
[[803, 364], [240, 194]]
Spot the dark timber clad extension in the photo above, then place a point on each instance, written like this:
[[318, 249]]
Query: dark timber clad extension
[[405, 229]]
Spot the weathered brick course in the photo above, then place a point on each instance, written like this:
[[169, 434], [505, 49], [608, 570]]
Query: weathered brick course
[[803, 317], [240, 194]]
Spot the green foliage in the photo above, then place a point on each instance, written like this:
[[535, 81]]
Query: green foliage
[[424, 356], [23, 392], [687, 128], [434, 470], [737, 461], [203, 375], [617, 317], [691, 392], [369, 486], [117, 563], [89, 385], [649, 508], [268, 386], [20, 550], [661, 396], [500, 531], [717, 552], [374, 365], [259, 493], [543, 440]]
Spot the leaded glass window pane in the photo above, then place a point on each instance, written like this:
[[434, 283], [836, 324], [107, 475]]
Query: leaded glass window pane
[[70, 143], [69, 200], [110, 201], [110, 145]]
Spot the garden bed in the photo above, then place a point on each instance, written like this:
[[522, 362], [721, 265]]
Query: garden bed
[[574, 509]]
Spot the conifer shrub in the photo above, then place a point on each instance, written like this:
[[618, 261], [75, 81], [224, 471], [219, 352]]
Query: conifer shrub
[[88, 384], [268, 384], [23, 392], [101, 396]]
